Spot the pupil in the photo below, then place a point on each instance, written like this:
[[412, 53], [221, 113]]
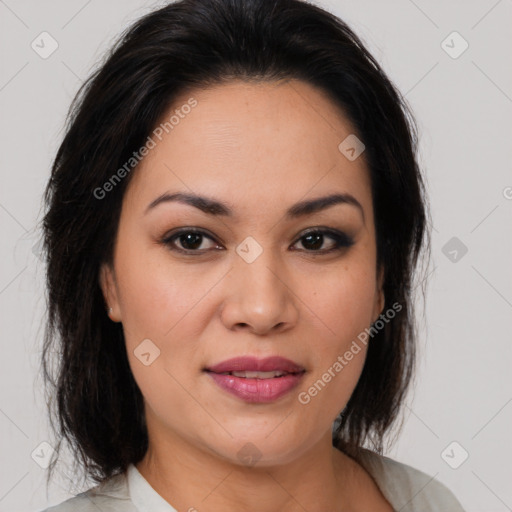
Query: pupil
[[190, 238], [318, 237]]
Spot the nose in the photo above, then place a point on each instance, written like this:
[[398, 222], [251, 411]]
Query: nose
[[259, 297]]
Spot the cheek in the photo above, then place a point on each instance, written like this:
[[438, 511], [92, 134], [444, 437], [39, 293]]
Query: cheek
[[343, 301], [164, 303], [338, 361], [156, 297], [343, 306], [160, 315]]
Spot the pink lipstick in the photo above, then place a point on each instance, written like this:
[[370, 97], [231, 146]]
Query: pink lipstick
[[257, 380]]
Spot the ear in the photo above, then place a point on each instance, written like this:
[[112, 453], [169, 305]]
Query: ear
[[109, 288], [380, 299]]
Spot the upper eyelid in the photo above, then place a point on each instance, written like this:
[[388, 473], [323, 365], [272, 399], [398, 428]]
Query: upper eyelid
[[306, 231]]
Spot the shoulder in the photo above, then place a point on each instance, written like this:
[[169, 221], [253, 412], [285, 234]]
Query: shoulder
[[110, 496], [406, 488]]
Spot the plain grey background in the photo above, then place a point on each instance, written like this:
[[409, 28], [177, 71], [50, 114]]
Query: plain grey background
[[463, 103]]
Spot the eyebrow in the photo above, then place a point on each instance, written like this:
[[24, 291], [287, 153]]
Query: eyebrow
[[214, 207]]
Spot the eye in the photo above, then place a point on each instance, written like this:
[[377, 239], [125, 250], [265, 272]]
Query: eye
[[314, 239], [189, 239]]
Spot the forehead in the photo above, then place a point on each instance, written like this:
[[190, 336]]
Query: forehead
[[252, 145]]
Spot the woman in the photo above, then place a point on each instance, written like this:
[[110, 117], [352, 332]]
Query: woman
[[233, 222]]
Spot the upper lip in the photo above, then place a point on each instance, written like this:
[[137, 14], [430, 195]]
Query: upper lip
[[254, 364]]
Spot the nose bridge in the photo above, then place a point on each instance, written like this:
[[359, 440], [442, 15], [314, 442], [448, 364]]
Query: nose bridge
[[258, 296], [258, 269]]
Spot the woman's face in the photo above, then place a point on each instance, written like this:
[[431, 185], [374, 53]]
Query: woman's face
[[252, 282]]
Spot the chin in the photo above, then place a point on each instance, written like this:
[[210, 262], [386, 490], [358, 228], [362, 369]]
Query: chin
[[261, 450]]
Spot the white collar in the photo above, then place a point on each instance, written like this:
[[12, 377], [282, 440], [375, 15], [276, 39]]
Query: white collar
[[143, 496], [146, 499]]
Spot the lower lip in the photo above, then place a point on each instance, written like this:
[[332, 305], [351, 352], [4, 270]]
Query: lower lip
[[257, 390]]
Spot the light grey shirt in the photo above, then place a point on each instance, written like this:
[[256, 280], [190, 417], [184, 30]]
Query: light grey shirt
[[406, 488]]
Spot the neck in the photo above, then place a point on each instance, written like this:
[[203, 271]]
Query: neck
[[190, 478]]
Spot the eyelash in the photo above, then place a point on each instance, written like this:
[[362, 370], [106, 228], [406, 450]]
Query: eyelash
[[342, 241]]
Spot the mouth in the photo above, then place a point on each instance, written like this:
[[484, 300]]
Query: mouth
[[248, 364], [258, 375], [257, 380]]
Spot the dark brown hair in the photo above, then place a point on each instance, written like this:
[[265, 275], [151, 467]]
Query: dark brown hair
[[95, 404]]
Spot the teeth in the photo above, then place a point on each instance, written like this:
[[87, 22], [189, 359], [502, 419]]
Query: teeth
[[258, 375]]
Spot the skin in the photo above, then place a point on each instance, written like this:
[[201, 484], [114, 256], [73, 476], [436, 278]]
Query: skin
[[260, 148]]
